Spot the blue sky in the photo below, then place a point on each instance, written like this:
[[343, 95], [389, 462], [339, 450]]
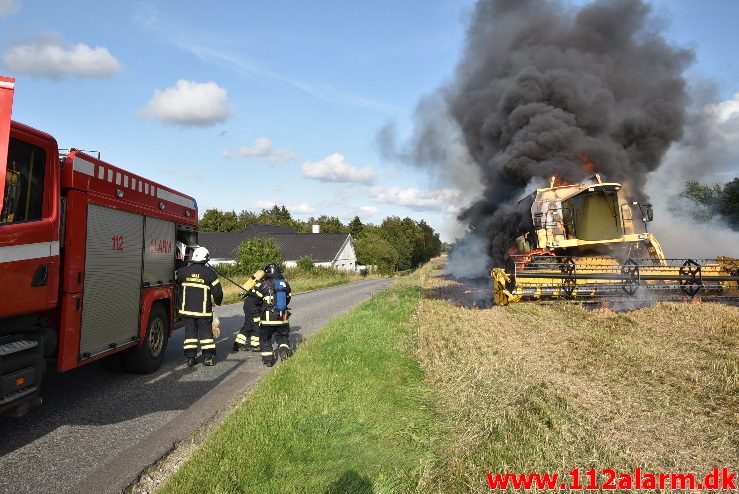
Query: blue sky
[[244, 104]]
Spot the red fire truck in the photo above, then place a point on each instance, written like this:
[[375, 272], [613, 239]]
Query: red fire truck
[[87, 259]]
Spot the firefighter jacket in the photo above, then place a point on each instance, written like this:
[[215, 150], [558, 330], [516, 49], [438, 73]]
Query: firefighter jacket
[[266, 293], [252, 301], [198, 284]]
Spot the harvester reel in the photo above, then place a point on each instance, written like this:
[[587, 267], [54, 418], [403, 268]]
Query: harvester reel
[[693, 284], [631, 278], [569, 270]]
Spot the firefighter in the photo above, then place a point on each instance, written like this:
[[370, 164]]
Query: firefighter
[[198, 284], [248, 337], [274, 295]]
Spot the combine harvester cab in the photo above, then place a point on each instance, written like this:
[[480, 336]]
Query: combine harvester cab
[[585, 241]]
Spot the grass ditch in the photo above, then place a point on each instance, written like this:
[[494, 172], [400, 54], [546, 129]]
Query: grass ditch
[[348, 413]]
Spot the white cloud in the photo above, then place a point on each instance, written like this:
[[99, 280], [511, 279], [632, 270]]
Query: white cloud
[[262, 149], [189, 103], [368, 210], [9, 7], [266, 204], [420, 200], [52, 57], [301, 208], [334, 168]]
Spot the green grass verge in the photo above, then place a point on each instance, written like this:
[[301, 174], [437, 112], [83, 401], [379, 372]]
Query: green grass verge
[[348, 413]]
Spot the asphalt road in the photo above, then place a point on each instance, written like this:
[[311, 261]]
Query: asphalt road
[[97, 430]]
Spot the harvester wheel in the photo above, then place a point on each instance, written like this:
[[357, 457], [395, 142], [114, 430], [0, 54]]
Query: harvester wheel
[[692, 285], [631, 279], [569, 270]]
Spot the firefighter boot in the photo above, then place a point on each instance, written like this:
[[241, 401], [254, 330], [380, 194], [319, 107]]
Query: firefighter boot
[[239, 342], [284, 351], [209, 362], [269, 361], [190, 361]]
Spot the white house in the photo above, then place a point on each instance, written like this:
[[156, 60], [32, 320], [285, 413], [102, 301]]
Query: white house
[[335, 250]]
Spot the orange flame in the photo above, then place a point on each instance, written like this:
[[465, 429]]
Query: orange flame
[[587, 164], [523, 261]]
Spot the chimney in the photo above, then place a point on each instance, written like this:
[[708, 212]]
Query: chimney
[[316, 228]]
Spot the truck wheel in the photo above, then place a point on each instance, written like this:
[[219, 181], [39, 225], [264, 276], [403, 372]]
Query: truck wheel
[[149, 357]]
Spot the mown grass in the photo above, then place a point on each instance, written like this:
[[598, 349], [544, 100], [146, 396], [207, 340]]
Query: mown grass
[[300, 281], [347, 414], [532, 388]]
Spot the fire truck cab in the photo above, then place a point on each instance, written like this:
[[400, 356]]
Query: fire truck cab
[[87, 259]]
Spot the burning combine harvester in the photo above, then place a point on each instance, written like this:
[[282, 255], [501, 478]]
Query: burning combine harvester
[[586, 241]]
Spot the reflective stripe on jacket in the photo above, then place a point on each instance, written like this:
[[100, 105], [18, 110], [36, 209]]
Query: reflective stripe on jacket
[[199, 288]]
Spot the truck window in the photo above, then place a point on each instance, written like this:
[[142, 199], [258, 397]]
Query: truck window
[[24, 183]]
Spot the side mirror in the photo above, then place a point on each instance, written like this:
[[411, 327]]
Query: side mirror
[[649, 212]]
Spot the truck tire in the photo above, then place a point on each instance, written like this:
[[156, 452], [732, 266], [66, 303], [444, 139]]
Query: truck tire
[[149, 357]]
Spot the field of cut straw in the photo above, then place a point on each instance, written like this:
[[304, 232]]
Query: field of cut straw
[[533, 388]]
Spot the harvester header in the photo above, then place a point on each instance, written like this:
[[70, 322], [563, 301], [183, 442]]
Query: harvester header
[[587, 241]]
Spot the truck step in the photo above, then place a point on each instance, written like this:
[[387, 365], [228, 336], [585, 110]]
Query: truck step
[[17, 346], [17, 394]]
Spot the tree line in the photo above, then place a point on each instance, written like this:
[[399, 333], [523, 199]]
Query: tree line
[[396, 244], [708, 202]]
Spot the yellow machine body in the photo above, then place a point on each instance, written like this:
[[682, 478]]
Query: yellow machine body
[[585, 241]]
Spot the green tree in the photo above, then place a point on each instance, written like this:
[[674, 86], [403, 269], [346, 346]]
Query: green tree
[[214, 220], [432, 245], [703, 194], [329, 224], [247, 218], [254, 253], [230, 222], [729, 203], [356, 227], [705, 202], [396, 232], [277, 215], [373, 249]]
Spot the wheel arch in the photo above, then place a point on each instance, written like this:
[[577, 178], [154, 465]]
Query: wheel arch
[[149, 298]]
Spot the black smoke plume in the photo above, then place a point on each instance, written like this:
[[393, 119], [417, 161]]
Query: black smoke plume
[[542, 84]]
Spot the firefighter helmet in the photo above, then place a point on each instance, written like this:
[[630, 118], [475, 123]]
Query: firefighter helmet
[[271, 270], [200, 254]]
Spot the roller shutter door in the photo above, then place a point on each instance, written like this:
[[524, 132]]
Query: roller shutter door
[[159, 255], [113, 262]]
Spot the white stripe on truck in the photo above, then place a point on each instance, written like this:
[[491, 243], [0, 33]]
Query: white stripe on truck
[[84, 166], [175, 198], [24, 252]]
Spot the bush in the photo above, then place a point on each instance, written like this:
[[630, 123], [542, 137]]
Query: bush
[[374, 250], [254, 253], [306, 264]]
